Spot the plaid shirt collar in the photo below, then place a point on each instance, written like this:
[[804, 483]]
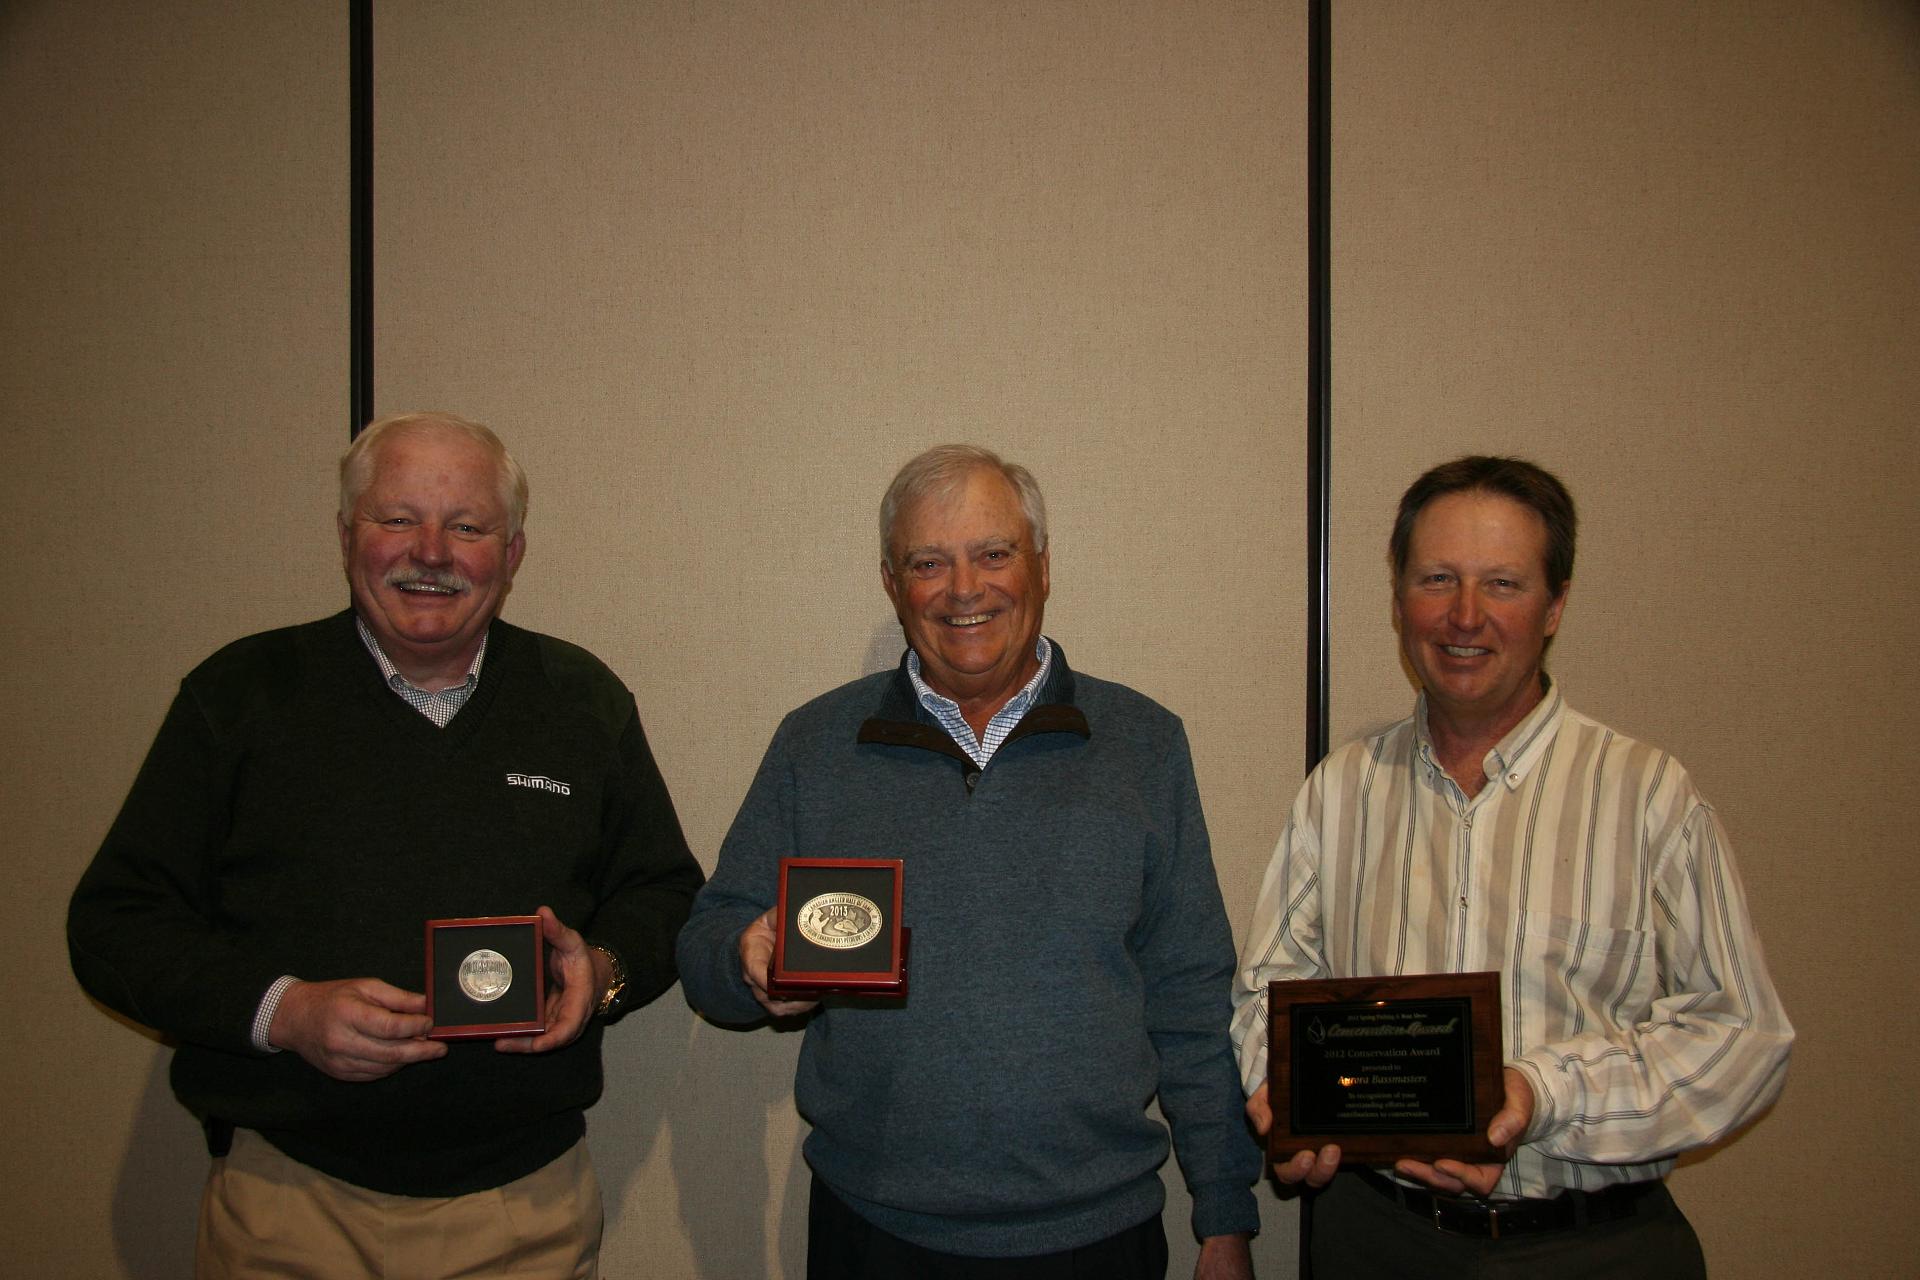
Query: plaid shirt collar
[[437, 705], [1002, 723]]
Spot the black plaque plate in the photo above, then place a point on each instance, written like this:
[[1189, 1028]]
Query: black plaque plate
[[486, 978], [1387, 1067], [838, 929]]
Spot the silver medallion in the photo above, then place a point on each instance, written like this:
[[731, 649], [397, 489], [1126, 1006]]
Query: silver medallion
[[840, 921], [485, 975]]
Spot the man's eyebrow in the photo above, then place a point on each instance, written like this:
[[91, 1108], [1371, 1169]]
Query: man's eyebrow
[[942, 548], [1515, 569]]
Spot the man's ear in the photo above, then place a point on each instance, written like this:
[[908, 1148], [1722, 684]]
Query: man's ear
[[1553, 610]]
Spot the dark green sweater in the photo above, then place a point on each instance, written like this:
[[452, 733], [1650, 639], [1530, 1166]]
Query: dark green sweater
[[295, 816]]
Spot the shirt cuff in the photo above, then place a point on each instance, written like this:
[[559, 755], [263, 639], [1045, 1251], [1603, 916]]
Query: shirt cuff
[[1253, 1069], [263, 1016], [1543, 1121]]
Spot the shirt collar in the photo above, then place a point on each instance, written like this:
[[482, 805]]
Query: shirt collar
[[1513, 757], [391, 674], [1018, 704]]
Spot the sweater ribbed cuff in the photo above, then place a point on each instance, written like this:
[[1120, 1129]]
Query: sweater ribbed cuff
[[1224, 1209]]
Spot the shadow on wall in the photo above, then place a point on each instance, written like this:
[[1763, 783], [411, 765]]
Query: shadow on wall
[[883, 649], [718, 1093], [156, 1199], [743, 1097], [1697, 1155]]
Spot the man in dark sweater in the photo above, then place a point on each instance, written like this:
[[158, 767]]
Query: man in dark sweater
[[1070, 957], [315, 795]]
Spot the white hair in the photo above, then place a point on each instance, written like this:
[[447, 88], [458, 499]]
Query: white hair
[[356, 464], [939, 473]]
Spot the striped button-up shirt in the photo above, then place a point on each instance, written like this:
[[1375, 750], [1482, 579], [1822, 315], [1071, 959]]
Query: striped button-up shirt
[[947, 711], [1589, 873]]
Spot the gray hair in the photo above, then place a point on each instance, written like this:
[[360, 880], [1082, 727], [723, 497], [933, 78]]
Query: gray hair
[[939, 473], [356, 464]]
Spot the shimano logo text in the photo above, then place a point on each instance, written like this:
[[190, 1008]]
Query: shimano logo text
[[538, 783]]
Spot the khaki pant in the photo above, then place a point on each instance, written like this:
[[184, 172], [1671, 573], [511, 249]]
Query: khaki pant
[[265, 1214]]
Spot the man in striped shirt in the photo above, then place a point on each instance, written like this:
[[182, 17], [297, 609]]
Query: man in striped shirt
[[1499, 829]]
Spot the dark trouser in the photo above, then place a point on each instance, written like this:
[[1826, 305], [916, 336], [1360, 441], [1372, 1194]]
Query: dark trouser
[[842, 1245], [1359, 1233]]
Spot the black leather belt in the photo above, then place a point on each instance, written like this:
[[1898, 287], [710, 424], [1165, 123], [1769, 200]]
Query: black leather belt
[[1496, 1218]]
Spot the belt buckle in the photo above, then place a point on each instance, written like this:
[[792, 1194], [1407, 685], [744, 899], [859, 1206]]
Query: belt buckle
[[1492, 1211]]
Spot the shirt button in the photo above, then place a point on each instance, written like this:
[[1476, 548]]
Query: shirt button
[[973, 779]]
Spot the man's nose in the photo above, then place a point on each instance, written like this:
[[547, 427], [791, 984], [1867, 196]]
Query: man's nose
[[430, 545], [964, 584], [1465, 612]]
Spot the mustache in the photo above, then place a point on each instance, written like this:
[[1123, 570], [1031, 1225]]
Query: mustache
[[445, 579]]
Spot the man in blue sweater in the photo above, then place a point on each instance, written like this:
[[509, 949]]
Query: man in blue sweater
[[314, 796], [1071, 956]]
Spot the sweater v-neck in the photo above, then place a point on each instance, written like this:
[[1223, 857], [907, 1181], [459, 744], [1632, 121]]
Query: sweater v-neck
[[503, 654]]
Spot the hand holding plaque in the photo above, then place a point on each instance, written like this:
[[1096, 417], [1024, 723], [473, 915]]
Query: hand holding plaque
[[837, 929], [1387, 1068], [486, 978]]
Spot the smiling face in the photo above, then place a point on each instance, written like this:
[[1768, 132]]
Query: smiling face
[[1474, 611], [969, 591], [427, 553]]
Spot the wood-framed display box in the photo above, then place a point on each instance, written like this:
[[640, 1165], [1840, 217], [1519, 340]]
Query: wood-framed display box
[[486, 977], [838, 929]]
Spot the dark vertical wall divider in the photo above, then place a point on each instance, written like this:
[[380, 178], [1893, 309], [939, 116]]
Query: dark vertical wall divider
[[360, 37], [1319, 374]]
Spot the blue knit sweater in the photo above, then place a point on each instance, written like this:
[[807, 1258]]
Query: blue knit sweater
[[1071, 960]]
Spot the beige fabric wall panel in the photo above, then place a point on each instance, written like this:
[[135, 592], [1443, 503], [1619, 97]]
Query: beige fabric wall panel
[[172, 388], [1673, 252], [716, 271]]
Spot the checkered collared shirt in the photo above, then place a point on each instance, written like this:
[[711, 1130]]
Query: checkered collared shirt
[[947, 711], [439, 706]]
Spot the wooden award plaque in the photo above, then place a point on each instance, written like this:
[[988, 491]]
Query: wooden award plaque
[[1389, 1067]]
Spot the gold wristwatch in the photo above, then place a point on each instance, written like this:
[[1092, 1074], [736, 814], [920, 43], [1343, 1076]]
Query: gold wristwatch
[[616, 985]]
